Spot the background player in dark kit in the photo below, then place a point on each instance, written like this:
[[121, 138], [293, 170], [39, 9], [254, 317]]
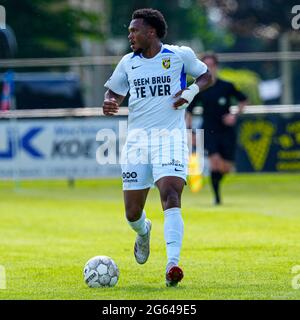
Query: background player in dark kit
[[218, 123]]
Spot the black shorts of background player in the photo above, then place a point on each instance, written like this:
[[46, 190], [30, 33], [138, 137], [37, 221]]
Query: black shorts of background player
[[218, 123]]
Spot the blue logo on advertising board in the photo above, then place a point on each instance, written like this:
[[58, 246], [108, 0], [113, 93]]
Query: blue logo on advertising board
[[24, 143]]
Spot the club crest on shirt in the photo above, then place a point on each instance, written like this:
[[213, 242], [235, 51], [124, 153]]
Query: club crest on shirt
[[166, 63]]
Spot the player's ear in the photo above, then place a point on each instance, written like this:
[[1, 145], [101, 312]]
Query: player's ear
[[152, 32]]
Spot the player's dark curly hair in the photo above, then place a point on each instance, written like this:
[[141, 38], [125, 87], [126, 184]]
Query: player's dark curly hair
[[153, 18]]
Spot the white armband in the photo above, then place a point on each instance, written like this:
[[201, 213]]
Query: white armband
[[189, 95]]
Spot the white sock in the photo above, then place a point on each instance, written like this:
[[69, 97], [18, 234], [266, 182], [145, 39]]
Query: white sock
[[139, 226], [173, 229]]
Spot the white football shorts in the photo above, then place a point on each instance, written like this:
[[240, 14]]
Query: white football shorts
[[143, 166]]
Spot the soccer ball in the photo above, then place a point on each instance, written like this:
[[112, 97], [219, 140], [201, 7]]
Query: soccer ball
[[101, 271]]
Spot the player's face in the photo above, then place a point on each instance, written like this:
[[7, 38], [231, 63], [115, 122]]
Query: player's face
[[138, 35], [212, 67]]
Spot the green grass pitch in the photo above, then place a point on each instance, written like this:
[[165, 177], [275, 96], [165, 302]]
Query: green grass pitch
[[244, 249]]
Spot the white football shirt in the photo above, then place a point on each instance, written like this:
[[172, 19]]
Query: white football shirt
[[152, 84]]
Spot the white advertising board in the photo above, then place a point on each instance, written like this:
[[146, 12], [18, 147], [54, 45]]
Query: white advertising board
[[54, 148]]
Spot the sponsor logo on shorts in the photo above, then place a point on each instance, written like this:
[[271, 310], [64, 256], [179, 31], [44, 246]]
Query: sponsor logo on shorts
[[129, 176], [173, 163]]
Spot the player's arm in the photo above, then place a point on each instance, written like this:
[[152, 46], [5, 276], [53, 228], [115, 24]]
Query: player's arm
[[188, 119], [204, 81], [111, 102], [239, 96], [187, 95], [189, 111], [198, 70], [118, 87], [230, 119], [241, 106]]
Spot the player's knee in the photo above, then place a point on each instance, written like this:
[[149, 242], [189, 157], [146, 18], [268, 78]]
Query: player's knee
[[170, 198], [133, 211]]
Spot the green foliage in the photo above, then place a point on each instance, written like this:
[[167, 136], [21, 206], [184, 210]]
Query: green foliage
[[265, 19], [53, 28], [200, 27], [245, 80], [186, 19]]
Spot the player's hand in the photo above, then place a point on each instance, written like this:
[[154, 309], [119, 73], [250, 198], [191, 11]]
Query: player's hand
[[229, 119], [179, 102], [110, 107]]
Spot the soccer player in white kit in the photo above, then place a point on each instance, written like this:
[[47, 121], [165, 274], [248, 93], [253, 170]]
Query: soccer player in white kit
[[155, 76]]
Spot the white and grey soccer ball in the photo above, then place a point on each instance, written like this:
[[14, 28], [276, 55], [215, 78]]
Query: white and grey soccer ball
[[101, 271]]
